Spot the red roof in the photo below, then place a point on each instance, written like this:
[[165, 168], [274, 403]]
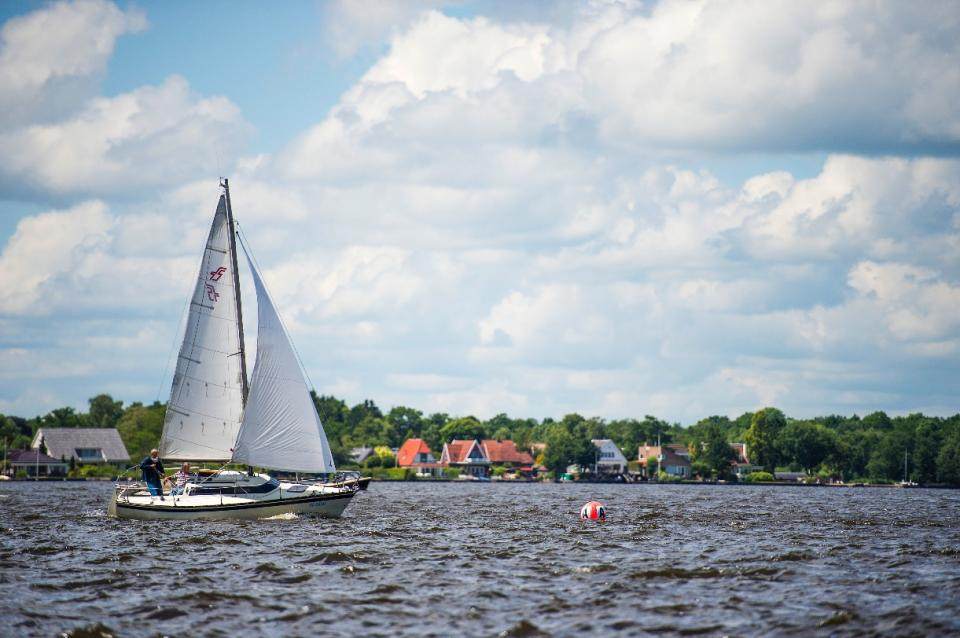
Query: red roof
[[493, 451], [505, 452], [457, 450], [408, 452]]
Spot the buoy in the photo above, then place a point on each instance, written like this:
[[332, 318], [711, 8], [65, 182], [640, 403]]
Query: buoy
[[593, 511]]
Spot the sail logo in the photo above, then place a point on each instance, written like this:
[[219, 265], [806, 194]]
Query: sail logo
[[215, 275], [212, 293]]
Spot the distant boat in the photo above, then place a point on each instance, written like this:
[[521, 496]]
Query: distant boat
[[213, 415], [906, 482]]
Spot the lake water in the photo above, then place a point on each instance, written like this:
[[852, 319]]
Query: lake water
[[487, 559]]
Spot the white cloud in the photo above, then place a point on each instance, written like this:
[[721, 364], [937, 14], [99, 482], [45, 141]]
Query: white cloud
[[85, 259], [778, 75], [698, 75], [150, 136], [51, 59], [511, 215], [914, 302], [44, 247], [353, 25]]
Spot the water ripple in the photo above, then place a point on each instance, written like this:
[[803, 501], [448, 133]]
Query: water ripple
[[491, 560]]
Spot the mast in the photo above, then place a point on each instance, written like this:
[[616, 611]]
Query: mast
[[244, 389]]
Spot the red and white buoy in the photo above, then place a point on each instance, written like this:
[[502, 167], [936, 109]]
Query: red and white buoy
[[593, 511]]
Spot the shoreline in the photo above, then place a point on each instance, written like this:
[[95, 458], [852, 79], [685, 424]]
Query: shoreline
[[678, 483]]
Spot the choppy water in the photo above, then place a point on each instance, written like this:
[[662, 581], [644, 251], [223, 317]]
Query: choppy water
[[487, 559]]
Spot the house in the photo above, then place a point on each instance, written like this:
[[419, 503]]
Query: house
[[610, 459], [360, 454], [477, 456], [35, 463], [673, 459], [467, 456], [416, 454], [86, 445], [742, 465], [505, 453]]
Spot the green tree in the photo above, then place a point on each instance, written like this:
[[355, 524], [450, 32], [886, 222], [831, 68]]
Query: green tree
[[877, 421], [361, 412], [855, 448], [761, 437], [501, 426], [628, 434], [15, 433], [104, 411], [807, 444], [948, 459], [61, 418], [406, 421], [925, 448], [566, 448], [140, 428], [467, 427], [713, 450], [431, 431], [886, 460]]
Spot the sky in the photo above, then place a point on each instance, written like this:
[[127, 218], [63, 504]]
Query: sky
[[615, 208]]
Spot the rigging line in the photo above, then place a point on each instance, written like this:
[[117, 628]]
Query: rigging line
[[246, 248]]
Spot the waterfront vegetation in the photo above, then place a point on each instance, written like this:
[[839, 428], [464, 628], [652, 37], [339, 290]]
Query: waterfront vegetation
[[871, 448]]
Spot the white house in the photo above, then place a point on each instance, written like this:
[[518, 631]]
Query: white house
[[609, 458]]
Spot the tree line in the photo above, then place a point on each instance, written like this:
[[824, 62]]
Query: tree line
[[852, 448]]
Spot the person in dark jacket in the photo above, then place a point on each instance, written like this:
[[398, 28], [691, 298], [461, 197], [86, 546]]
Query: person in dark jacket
[[152, 469]]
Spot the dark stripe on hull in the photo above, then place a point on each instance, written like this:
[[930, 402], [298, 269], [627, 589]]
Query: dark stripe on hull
[[236, 506]]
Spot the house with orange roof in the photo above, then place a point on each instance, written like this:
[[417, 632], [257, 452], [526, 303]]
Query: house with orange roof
[[476, 457], [505, 452], [673, 459], [416, 454], [466, 455]]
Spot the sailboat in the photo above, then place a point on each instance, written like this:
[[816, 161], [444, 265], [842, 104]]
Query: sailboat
[[215, 416]]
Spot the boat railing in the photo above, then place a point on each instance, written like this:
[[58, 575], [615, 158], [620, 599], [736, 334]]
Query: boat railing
[[344, 478]]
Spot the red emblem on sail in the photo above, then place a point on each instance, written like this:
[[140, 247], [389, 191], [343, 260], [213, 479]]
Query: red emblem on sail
[[215, 275], [212, 293]]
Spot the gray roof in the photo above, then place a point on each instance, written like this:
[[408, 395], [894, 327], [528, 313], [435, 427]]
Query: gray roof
[[63, 442], [19, 457], [359, 454]]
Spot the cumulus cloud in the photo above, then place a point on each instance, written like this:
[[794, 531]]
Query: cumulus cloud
[[861, 77], [351, 26], [511, 215], [85, 258], [155, 135], [60, 141], [51, 59]]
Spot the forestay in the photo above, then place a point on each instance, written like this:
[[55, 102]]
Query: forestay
[[281, 429], [205, 407]]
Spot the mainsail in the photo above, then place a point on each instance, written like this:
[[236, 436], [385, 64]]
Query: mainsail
[[281, 429], [206, 399]]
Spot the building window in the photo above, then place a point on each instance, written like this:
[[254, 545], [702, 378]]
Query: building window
[[89, 454]]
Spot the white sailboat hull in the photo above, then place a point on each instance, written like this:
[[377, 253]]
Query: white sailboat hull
[[327, 506], [234, 497]]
